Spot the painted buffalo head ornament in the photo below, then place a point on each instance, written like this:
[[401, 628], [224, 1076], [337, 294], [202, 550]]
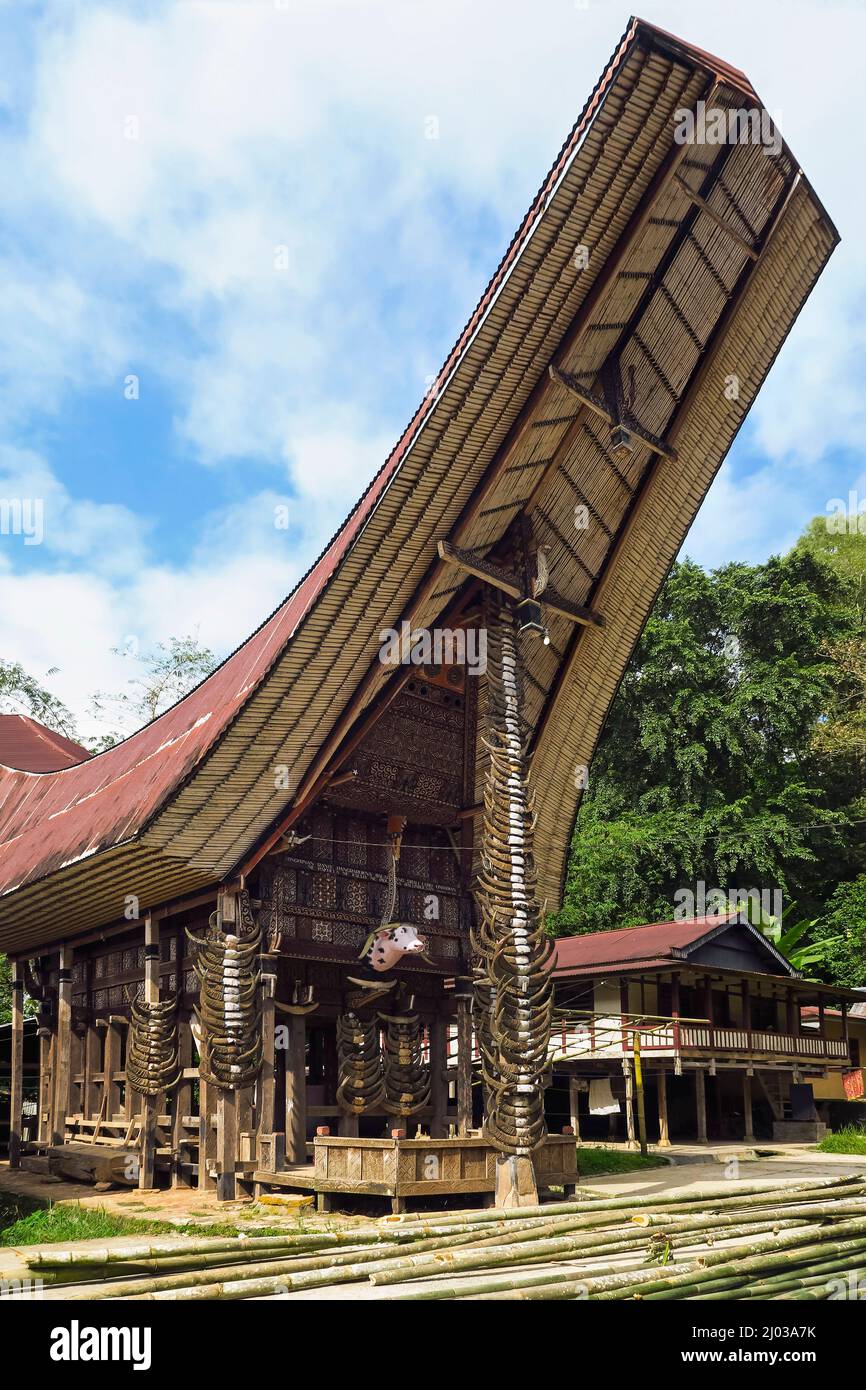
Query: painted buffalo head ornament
[[384, 947]]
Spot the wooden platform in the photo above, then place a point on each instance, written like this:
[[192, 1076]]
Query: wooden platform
[[408, 1168], [84, 1162]]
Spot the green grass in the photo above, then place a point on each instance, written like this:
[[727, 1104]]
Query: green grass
[[851, 1139], [24, 1222], [592, 1162]]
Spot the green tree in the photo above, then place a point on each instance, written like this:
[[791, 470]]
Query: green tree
[[21, 693], [707, 769], [842, 931]]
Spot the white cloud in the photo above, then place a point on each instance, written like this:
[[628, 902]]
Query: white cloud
[[160, 154]]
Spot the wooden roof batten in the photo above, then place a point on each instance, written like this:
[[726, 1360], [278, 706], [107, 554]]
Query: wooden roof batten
[[499, 440]]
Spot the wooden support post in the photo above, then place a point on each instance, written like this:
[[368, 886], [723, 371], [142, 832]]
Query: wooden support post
[[149, 1104], [110, 1066], [206, 1137], [63, 1055], [464, 1066], [46, 1048], [747, 1107], [573, 1106], [792, 1012], [664, 1136], [638, 1083], [181, 1106], [629, 1103], [93, 1092], [266, 1090], [701, 1105], [296, 1091], [226, 1145], [16, 1099], [438, 1078]]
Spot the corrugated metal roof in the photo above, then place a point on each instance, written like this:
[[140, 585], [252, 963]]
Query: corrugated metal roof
[[651, 945], [29, 746], [181, 802]]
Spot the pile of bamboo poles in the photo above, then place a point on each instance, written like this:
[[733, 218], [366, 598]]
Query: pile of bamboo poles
[[725, 1241]]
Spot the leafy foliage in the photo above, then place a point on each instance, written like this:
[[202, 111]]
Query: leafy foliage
[[164, 675], [21, 693], [732, 751]]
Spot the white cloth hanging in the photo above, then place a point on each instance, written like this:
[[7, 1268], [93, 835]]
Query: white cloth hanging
[[601, 1098]]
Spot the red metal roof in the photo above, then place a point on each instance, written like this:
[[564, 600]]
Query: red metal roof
[[31, 747], [653, 945]]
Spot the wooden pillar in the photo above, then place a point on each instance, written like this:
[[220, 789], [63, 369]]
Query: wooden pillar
[[701, 1105], [266, 1090], [464, 1065], [791, 1012], [91, 1103], [226, 1145], [573, 1105], [664, 1136], [63, 1057], [747, 1107], [207, 1153], [46, 1048], [181, 1106], [629, 1103], [110, 1066], [296, 1090], [16, 1099], [149, 1104], [438, 1078]]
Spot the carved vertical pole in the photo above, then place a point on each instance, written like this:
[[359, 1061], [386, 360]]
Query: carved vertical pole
[[514, 1001], [149, 1103], [296, 1090]]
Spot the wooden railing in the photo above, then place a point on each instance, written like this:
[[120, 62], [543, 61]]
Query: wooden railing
[[613, 1037]]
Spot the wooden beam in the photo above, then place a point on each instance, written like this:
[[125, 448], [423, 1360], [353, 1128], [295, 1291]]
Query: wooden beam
[[16, 1097], [720, 222], [600, 407], [481, 568]]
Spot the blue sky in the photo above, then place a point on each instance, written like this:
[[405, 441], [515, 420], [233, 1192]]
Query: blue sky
[[241, 206]]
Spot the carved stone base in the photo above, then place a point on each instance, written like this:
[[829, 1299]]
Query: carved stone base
[[515, 1182]]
